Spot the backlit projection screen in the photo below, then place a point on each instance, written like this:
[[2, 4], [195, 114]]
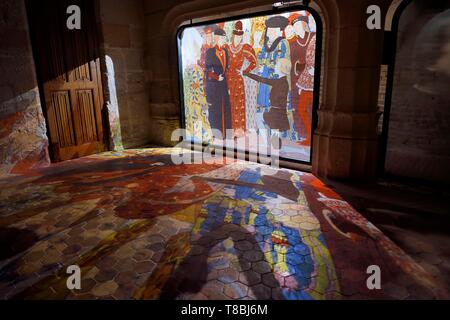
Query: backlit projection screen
[[254, 74]]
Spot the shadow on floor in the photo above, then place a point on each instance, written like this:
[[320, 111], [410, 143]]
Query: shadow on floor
[[414, 214]]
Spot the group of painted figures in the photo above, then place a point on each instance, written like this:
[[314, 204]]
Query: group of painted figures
[[267, 83]]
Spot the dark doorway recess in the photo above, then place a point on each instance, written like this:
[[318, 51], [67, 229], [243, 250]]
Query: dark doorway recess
[[415, 144]]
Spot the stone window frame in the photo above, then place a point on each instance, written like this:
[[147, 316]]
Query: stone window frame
[[318, 78]]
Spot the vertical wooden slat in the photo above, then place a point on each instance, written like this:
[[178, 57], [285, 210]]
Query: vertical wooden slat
[[87, 115], [63, 119], [86, 108], [51, 118], [60, 119]]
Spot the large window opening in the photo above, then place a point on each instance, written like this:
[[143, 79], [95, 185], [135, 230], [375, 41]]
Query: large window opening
[[254, 80]]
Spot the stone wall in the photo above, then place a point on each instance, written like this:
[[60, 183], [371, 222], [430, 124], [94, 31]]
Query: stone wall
[[23, 139], [123, 29]]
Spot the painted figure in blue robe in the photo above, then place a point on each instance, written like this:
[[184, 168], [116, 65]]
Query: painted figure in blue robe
[[275, 47]]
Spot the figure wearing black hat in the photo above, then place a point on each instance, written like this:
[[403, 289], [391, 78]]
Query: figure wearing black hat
[[208, 43], [217, 96], [275, 48]]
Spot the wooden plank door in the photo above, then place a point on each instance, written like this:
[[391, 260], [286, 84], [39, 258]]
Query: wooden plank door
[[69, 73]]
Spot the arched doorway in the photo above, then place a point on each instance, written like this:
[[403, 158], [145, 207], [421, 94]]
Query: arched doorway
[[415, 139]]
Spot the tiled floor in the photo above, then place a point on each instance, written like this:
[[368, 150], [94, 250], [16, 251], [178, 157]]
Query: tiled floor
[[140, 227]]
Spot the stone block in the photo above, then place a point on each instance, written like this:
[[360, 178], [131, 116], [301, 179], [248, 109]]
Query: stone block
[[117, 35]]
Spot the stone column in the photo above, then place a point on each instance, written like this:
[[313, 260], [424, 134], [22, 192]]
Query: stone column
[[163, 86], [126, 76], [345, 141]]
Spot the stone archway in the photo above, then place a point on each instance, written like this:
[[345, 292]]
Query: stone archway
[[168, 111], [345, 141], [416, 109]]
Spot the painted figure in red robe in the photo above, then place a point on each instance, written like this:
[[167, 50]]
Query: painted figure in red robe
[[239, 52], [305, 82], [298, 47]]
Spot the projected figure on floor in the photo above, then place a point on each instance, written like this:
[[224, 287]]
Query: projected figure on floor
[[241, 211]]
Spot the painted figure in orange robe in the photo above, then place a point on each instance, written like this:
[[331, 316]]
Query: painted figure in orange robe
[[304, 66], [298, 55], [239, 52]]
